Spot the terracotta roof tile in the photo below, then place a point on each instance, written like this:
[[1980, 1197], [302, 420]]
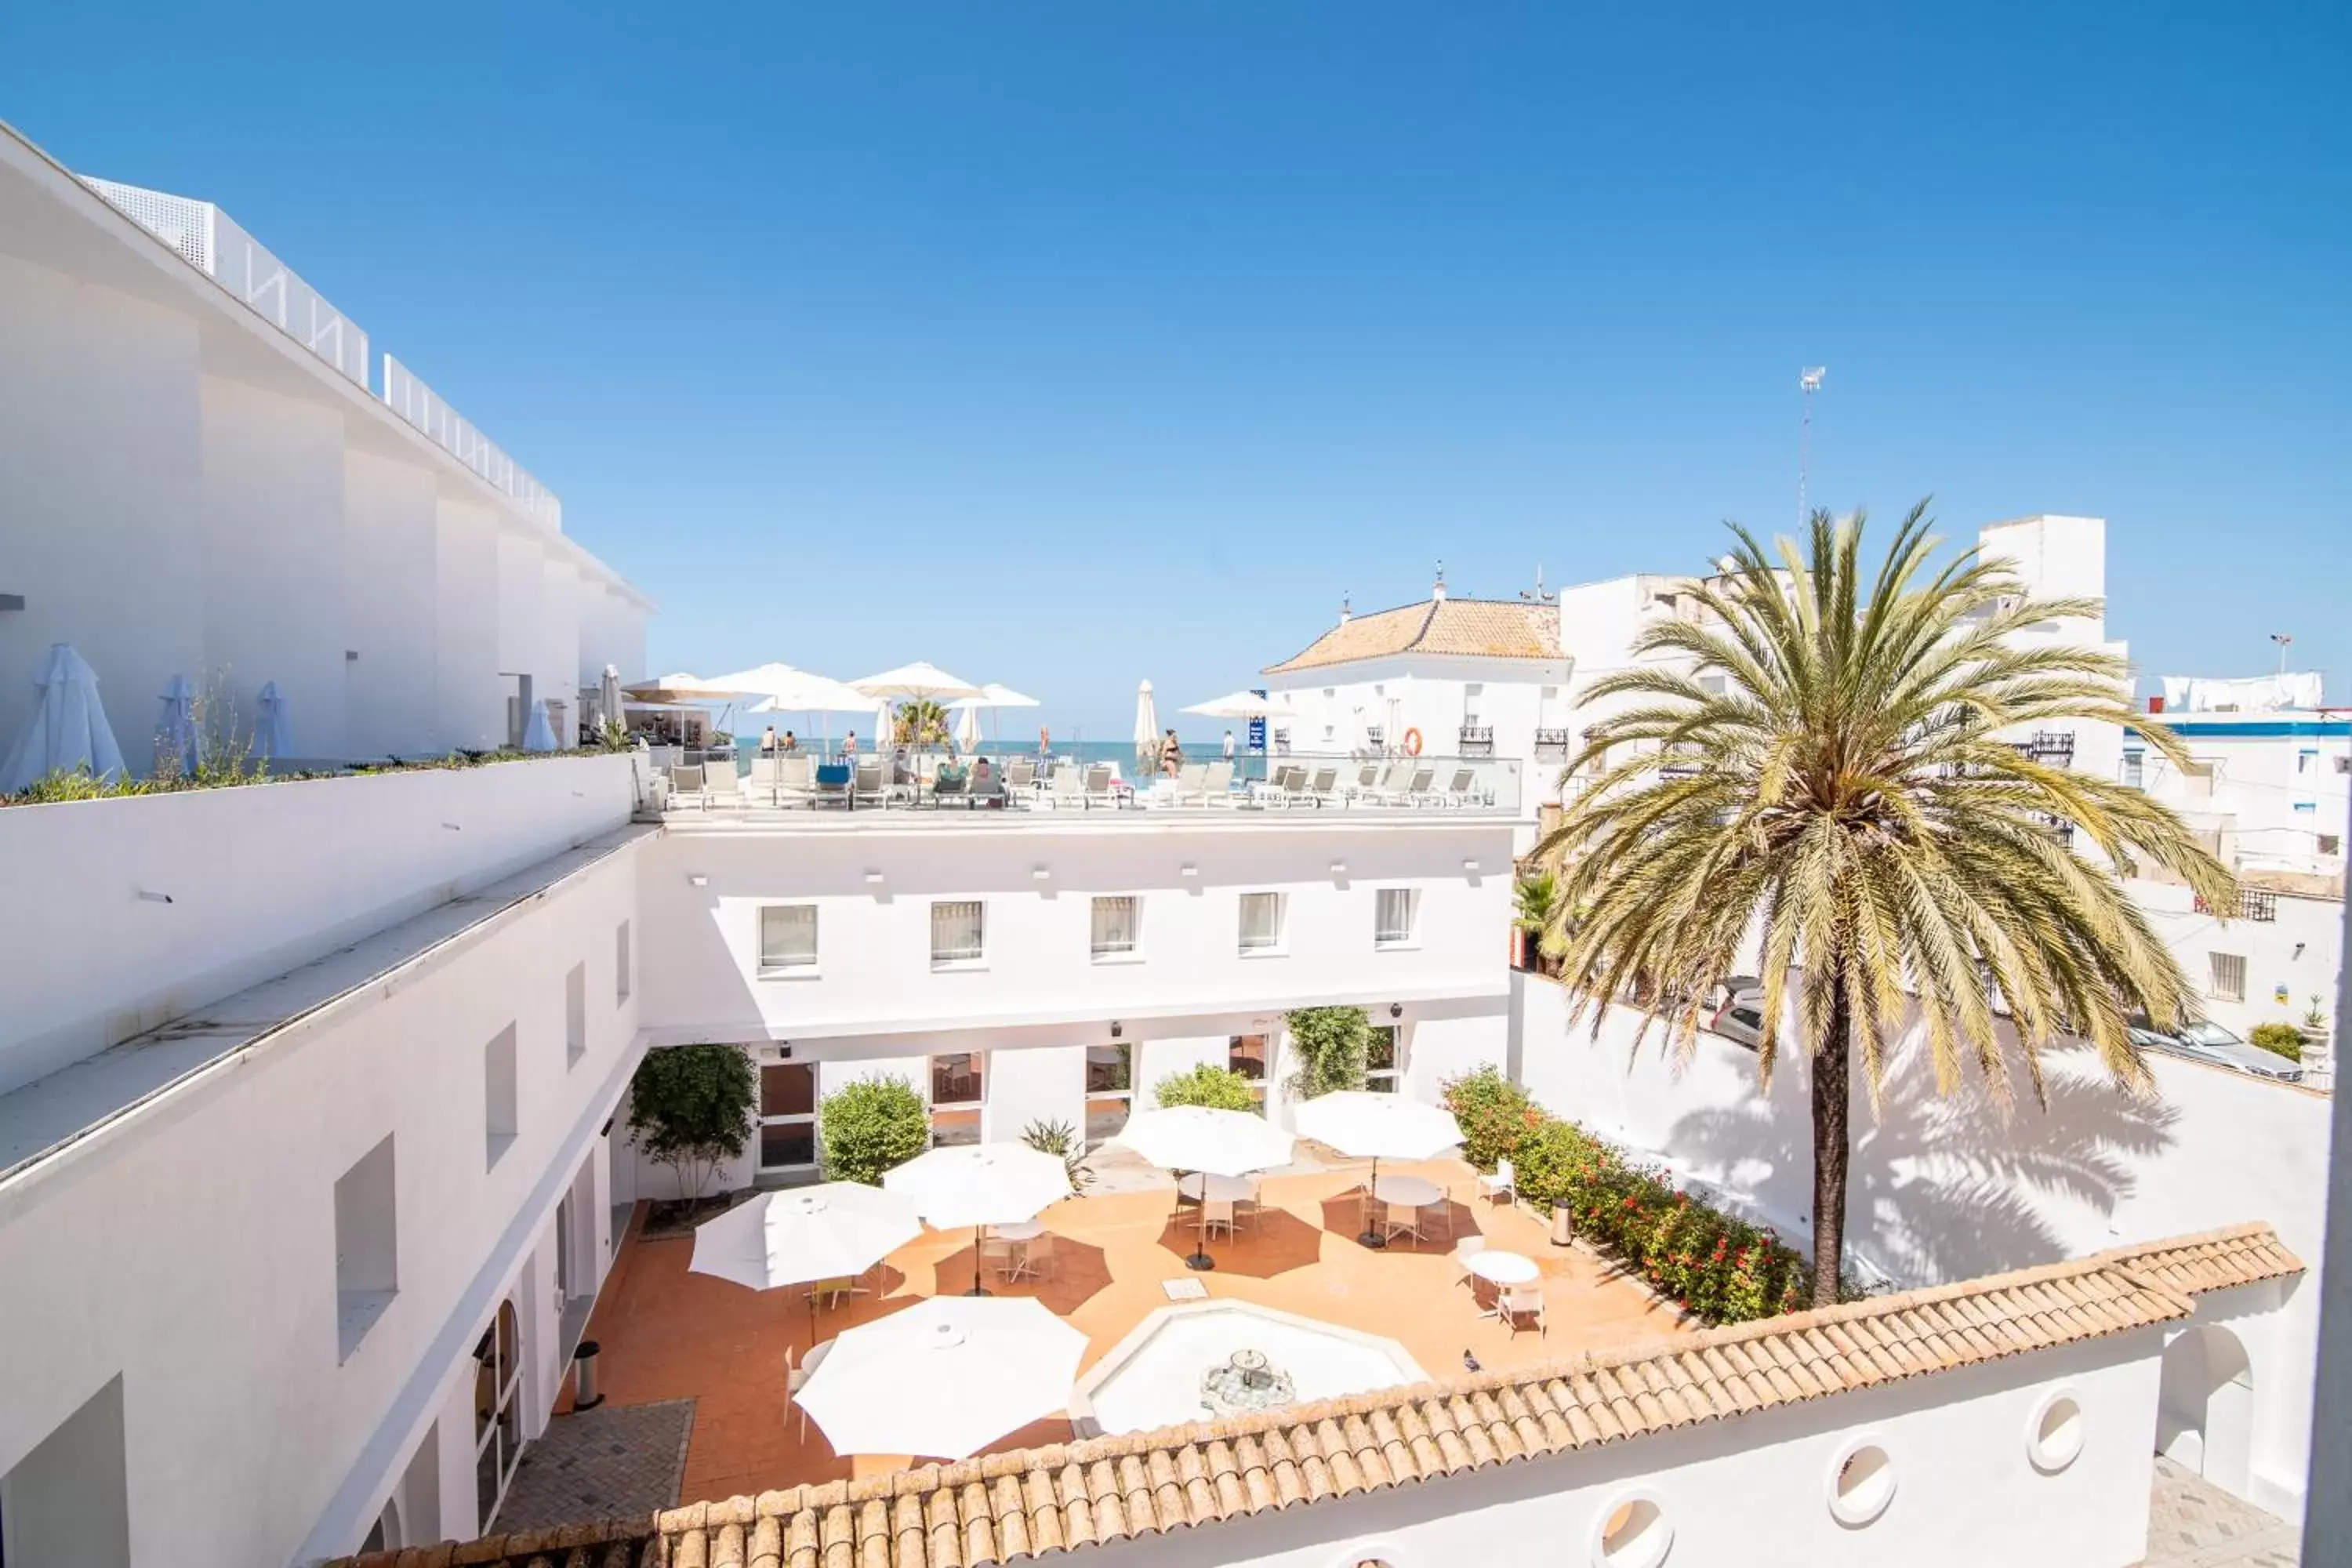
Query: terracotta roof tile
[[1476, 628], [1014, 1505]]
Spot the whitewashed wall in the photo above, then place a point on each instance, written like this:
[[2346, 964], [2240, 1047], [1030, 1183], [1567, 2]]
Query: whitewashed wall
[[1949, 1189], [261, 879], [2301, 952], [1756, 1489], [248, 1438]]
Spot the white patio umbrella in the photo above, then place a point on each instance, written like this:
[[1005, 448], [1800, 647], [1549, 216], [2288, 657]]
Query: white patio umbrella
[[175, 731], [678, 686], [783, 689], [608, 697], [1147, 729], [824, 1232], [273, 735], [1240, 705], [539, 735], [1382, 1126], [993, 696], [886, 725], [925, 682], [980, 1184], [1217, 1143], [968, 728], [67, 729], [944, 1378]]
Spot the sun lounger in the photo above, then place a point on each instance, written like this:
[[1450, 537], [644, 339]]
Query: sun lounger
[[685, 782], [832, 784], [1321, 789], [871, 788], [1098, 791], [721, 783], [1217, 785]]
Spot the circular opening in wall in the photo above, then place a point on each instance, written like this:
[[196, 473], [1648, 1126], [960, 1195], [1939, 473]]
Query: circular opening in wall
[[2056, 1435], [1634, 1534], [1862, 1486]]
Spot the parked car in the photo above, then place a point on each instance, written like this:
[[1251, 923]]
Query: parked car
[[1740, 1019], [2204, 1041]]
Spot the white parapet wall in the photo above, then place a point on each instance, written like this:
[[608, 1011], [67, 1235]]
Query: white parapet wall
[[1950, 1188], [142, 910]]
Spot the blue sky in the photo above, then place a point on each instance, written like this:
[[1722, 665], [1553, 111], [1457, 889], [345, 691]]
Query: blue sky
[[1067, 344]]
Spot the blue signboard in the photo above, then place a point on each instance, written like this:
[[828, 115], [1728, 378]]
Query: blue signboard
[[1257, 726]]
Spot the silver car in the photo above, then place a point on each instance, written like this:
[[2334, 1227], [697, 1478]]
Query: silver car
[[2209, 1042]]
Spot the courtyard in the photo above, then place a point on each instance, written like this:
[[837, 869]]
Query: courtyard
[[668, 1336]]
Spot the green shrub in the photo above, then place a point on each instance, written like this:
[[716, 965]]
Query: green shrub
[[870, 1126], [1218, 1089], [2284, 1039], [1494, 1114], [1060, 1138], [1330, 1046], [690, 1108]]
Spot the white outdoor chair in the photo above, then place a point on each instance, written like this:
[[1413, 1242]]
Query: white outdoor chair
[[1323, 788], [795, 779], [1098, 786], [1065, 787], [1504, 1183], [720, 781], [1467, 1249], [1401, 1219], [868, 782], [1217, 785], [1000, 1255], [1033, 1259], [1019, 774], [1190, 779], [1218, 1215], [688, 780], [1518, 1301], [1418, 791], [797, 1377]]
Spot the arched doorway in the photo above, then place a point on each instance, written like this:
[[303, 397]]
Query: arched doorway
[[385, 1534], [2205, 1407]]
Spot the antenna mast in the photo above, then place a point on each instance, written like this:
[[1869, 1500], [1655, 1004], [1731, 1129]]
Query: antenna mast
[[1808, 381]]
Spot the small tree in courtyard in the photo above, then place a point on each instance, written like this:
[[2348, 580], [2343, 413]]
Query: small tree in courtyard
[[690, 1108], [1218, 1089], [1330, 1046], [871, 1126]]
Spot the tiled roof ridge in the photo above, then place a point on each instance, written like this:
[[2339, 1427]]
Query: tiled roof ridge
[[1000, 1507], [1434, 624]]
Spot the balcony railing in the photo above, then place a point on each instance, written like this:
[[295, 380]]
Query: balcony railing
[[2054, 746], [1478, 741], [1553, 745], [2064, 829], [2256, 904]]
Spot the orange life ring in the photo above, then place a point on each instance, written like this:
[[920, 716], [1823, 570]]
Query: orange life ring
[[1412, 743]]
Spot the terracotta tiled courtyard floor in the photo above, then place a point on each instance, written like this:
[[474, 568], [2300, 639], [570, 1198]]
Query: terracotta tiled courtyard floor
[[667, 1334]]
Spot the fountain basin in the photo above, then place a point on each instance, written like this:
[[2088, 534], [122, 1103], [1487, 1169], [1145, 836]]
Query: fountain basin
[[1155, 1376]]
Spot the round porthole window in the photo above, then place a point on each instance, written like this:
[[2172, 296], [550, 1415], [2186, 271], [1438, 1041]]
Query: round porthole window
[[1633, 1532], [1861, 1485], [2055, 1435]]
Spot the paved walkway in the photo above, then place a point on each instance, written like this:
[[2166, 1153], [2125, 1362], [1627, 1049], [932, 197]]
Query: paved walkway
[[605, 1463], [2192, 1523]]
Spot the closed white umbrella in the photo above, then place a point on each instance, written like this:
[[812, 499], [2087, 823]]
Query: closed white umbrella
[[925, 682], [1378, 1126], [1147, 729], [945, 1378], [824, 1232], [67, 729], [608, 697], [1216, 1142], [539, 735], [886, 728], [175, 731], [273, 735], [968, 728], [980, 1184]]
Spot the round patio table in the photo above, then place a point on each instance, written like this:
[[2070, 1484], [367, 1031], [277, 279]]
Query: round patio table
[[1501, 1268], [1407, 1192], [1225, 1189], [1027, 1230]]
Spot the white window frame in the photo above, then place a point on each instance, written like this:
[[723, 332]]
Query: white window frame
[[2225, 978], [1272, 946], [1389, 1079], [1132, 951], [1386, 936], [506, 1402], [957, 959], [1124, 1095], [1257, 1085], [785, 1118], [934, 1105], [774, 964]]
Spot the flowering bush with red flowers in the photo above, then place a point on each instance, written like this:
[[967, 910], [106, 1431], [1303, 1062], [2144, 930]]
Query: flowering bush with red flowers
[[1720, 1268]]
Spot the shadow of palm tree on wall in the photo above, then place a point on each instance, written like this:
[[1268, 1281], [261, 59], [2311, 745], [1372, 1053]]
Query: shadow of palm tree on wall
[[1951, 1187]]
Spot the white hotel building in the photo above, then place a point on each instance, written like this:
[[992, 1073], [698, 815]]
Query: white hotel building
[[311, 1093]]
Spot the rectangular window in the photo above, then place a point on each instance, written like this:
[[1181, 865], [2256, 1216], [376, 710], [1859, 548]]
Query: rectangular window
[[498, 1098], [958, 1090], [575, 1013], [621, 964], [2331, 843], [1393, 918], [1117, 926], [787, 937], [958, 933], [1110, 1088], [1384, 1061], [2135, 770], [367, 1246], [1260, 922], [68, 1501], [2229, 978]]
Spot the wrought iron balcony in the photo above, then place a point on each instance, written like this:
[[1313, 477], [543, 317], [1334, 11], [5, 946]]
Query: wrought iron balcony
[[2056, 746], [2257, 904], [1478, 741], [1552, 746]]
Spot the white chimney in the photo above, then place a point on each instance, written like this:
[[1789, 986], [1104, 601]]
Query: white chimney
[[1346, 615], [1438, 593]]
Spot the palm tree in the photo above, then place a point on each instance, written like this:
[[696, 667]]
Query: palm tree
[[1533, 897], [919, 722], [1847, 798]]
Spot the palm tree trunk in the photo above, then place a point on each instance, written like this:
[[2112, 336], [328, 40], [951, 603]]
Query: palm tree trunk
[[1831, 1104]]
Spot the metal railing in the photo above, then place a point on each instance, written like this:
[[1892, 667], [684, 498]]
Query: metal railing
[[417, 404], [2048, 746], [2257, 904], [1477, 740], [1553, 745]]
